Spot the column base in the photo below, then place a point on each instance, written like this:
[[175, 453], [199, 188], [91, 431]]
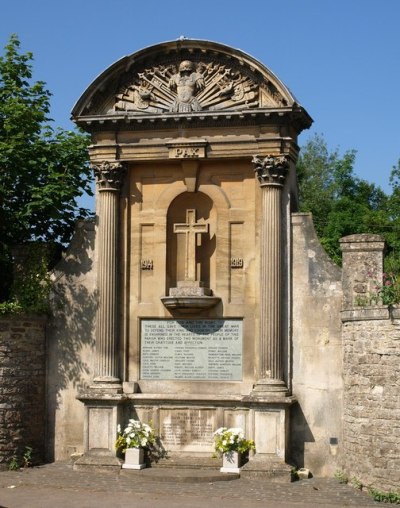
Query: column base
[[107, 380], [271, 386], [102, 389]]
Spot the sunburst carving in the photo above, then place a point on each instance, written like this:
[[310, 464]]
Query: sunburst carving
[[205, 86]]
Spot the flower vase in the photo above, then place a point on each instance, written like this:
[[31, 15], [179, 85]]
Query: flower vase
[[231, 462], [134, 459]]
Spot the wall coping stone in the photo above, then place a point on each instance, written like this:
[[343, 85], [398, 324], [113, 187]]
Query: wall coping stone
[[364, 242], [367, 313]]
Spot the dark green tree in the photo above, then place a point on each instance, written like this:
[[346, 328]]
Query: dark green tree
[[341, 203], [43, 171], [392, 234]]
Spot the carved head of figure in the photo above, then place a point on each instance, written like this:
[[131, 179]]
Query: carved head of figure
[[186, 67]]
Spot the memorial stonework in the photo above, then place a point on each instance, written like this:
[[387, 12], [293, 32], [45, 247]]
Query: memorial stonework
[[202, 299], [194, 147]]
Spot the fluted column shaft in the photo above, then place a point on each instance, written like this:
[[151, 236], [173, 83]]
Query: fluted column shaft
[[109, 177], [271, 172], [270, 304]]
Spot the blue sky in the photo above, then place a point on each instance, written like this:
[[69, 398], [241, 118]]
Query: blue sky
[[340, 58]]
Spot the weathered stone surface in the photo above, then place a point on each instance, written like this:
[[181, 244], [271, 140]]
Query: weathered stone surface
[[362, 268], [371, 405], [317, 352], [22, 382], [70, 344], [371, 371]]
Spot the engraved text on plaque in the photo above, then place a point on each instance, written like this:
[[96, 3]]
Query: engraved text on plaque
[[188, 349]]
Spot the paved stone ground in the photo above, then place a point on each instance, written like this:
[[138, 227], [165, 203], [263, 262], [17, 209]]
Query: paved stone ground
[[57, 485]]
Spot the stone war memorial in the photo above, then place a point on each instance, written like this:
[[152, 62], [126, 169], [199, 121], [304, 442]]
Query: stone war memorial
[[201, 298]]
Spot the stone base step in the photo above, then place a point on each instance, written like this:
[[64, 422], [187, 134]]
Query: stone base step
[[262, 467], [179, 475], [193, 461]]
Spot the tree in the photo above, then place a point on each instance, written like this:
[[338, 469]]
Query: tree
[[42, 170], [392, 234], [341, 203]]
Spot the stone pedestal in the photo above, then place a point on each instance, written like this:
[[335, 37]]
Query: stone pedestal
[[102, 415], [362, 269]]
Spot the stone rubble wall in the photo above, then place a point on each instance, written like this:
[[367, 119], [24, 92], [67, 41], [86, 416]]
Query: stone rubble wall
[[371, 370], [371, 415], [22, 387]]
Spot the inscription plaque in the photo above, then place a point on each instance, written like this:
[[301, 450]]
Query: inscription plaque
[[187, 349], [187, 429]]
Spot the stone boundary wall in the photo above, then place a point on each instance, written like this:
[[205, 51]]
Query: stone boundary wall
[[371, 371], [22, 387], [371, 415]]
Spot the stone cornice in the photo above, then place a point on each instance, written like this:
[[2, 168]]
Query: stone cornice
[[296, 116]]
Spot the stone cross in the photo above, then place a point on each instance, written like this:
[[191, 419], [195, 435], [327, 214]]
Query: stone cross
[[191, 229]]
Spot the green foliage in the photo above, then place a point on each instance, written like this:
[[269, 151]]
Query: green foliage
[[356, 483], [27, 457], [31, 286], [294, 475], [386, 291], [343, 204], [385, 497], [42, 170], [341, 476], [389, 290], [10, 308], [25, 460], [14, 464]]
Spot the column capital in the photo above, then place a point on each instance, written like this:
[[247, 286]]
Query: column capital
[[271, 170], [109, 175]]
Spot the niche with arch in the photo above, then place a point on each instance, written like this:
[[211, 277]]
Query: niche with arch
[[176, 242]]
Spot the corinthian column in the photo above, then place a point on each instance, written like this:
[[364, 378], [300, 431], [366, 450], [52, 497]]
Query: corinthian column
[[109, 176], [271, 173]]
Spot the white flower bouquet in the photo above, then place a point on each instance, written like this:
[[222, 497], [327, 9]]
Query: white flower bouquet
[[231, 440], [135, 435]]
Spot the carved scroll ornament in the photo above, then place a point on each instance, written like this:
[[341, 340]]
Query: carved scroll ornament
[[271, 170], [190, 87]]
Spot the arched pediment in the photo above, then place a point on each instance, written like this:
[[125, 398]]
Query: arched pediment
[[183, 76]]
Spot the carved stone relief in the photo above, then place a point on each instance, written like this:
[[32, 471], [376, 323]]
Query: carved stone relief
[[190, 87], [109, 175], [271, 170]]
